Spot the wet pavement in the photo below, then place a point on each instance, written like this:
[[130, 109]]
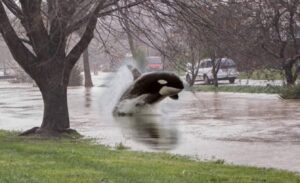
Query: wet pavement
[[247, 129]]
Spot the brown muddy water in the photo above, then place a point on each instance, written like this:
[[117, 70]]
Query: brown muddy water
[[247, 129]]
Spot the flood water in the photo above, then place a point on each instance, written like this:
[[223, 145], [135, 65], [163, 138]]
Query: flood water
[[248, 129]]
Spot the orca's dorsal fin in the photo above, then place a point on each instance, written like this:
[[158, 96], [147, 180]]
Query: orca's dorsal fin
[[135, 72]]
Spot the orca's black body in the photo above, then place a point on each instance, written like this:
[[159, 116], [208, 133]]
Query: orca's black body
[[148, 89]]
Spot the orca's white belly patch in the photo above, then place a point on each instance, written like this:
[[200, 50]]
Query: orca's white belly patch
[[131, 106], [167, 91]]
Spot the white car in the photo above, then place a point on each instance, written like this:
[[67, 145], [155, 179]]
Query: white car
[[227, 71]]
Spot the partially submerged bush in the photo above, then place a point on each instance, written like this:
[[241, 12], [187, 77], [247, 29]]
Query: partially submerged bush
[[291, 92]]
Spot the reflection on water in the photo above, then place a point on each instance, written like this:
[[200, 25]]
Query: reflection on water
[[150, 130], [249, 129], [87, 96]]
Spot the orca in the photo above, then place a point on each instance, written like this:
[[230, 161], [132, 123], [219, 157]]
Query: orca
[[147, 90]]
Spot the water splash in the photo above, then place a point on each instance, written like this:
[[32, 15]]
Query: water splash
[[117, 85]]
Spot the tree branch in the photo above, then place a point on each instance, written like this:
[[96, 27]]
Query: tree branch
[[14, 8], [269, 51], [20, 53], [86, 38], [58, 16], [35, 28], [122, 7], [76, 25]]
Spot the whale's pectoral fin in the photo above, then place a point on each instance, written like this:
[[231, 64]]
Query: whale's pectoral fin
[[135, 72], [175, 97]]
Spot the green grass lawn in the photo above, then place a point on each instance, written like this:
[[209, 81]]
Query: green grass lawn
[[264, 74], [27, 160]]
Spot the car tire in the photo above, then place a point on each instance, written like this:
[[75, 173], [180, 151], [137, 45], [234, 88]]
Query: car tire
[[231, 80], [206, 80]]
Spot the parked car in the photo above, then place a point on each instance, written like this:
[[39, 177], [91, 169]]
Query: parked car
[[154, 63], [227, 71]]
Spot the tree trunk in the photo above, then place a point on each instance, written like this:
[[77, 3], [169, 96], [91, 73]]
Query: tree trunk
[[87, 71], [54, 93], [288, 71], [216, 83], [194, 77], [289, 76], [56, 115], [215, 70]]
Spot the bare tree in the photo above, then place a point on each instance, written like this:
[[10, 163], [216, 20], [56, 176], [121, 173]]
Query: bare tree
[[247, 30], [276, 27], [43, 54]]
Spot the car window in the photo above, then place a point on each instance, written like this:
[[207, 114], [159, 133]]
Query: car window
[[225, 63], [202, 64], [209, 64]]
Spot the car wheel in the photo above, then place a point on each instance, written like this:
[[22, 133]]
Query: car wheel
[[188, 79], [206, 80], [231, 80]]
